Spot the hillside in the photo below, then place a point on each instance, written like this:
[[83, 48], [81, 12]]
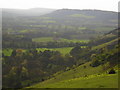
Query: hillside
[[74, 79], [95, 82], [90, 74], [96, 17], [65, 23]]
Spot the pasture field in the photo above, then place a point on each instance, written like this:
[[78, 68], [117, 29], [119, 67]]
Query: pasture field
[[80, 77], [98, 81], [82, 16], [42, 39], [63, 51], [74, 40], [7, 52], [50, 39]]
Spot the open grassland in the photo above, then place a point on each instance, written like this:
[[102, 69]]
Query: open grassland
[[50, 39], [7, 52], [82, 16], [63, 51], [83, 76], [42, 39], [93, 81], [74, 40]]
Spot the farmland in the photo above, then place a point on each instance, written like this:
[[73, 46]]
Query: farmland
[[49, 39]]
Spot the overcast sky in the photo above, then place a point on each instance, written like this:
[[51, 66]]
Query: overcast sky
[[110, 5]]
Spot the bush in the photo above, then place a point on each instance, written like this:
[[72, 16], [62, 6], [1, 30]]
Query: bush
[[112, 71]]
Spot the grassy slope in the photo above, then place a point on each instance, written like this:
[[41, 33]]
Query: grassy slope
[[77, 78], [98, 81]]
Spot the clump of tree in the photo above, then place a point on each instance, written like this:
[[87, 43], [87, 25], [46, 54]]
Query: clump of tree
[[13, 41], [112, 71]]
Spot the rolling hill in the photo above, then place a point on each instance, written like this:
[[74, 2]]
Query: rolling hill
[[86, 75], [67, 23]]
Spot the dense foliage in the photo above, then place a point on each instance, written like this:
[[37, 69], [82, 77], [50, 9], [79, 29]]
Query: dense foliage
[[23, 69]]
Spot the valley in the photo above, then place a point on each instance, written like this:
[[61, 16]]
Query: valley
[[64, 48]]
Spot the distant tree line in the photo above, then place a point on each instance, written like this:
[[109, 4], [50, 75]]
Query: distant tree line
[[13, 41]]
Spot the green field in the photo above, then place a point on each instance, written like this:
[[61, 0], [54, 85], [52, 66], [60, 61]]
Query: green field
[[80, 77], [93, 81], [7, 52], [42, 39], [82, 16], [49, 39], [63, 51], [73, 40]]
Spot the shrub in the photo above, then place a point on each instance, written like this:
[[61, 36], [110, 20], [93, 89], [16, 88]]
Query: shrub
[[112, 71]]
